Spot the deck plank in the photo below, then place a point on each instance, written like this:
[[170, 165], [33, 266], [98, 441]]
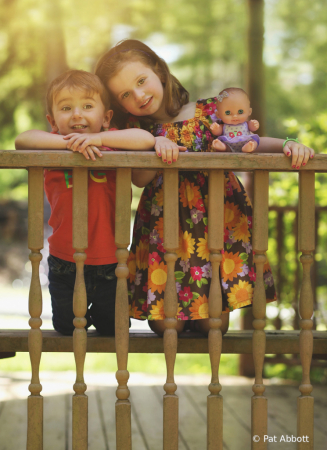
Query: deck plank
[[54, 418], [13, 425]]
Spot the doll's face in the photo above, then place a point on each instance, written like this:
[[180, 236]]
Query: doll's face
[[234, 109]]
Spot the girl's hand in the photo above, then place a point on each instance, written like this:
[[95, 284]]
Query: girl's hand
[[299, 152], [79, 142], [167, 149]]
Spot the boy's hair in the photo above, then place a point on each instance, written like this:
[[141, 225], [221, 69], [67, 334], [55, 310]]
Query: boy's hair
[[78, 79], [129, 50]]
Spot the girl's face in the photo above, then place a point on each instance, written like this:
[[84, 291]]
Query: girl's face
[[138, 90], [234, 109]]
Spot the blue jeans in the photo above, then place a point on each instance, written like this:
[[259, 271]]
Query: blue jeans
[[100, 282]]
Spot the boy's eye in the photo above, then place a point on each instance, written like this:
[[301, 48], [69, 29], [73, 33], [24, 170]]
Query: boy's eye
[[227, 113], [66, 108], [240, 111], [88, 106]]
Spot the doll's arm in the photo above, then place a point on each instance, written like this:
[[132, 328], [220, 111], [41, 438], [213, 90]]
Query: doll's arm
[[39, 140], [253, 125], [216, 129]]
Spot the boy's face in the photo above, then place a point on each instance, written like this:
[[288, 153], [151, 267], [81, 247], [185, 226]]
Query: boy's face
[[77, 111]]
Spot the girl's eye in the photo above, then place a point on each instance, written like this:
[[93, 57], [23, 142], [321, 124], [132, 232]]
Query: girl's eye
[[66, 108], [240, 111], [141, 81], [227, 113], [125, 95]]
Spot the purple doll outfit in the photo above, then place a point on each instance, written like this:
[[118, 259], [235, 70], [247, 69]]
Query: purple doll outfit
[[235, 136]]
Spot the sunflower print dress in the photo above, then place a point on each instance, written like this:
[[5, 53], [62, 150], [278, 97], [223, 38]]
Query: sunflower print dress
[[147, 268]]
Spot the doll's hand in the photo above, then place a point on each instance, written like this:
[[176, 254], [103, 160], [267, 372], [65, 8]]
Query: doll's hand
[[253, 125], [300, 153], [216, 129], [167, 149]]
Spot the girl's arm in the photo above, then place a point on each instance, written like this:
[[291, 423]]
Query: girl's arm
[[300, 153], [142, 177], [130, 139], [39, 140]]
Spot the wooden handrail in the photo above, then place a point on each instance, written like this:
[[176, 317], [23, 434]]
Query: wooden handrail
[[187, 161]]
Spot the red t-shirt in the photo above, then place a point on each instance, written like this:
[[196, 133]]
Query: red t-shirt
[[101, 226]]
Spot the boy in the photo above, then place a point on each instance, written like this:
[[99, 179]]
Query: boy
[[78, 109]]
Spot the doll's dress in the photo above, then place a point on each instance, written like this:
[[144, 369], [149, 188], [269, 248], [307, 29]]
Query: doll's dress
[[147, 268], [235, 136]]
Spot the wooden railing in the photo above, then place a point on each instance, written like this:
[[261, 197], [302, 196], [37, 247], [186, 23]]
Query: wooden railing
[[279, 342]]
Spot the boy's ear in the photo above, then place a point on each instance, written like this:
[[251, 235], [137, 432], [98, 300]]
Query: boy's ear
[[52, 123], [107, 118]]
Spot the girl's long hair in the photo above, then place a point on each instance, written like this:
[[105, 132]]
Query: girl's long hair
[[175, 95]]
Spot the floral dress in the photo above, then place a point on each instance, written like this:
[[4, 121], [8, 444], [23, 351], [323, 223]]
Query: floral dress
[[147, 268]]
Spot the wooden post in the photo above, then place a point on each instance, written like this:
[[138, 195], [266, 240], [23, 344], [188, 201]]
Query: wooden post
[[80, 243], [305, 403], [215, 245], [259, 412], [122, 238], [170, 400], [35, 244]]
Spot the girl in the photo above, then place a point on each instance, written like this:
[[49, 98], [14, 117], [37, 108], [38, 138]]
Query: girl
[[141, 85]]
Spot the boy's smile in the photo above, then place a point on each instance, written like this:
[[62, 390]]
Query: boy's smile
[[78, 111]]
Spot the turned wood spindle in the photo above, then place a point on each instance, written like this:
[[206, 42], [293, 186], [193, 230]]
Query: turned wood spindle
[[122, 239], [35, 244], [259, 403], [80, 244], [215, 245], [305, 402], [170, 401]]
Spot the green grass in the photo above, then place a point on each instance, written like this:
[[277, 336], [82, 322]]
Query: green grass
[[103, 362]]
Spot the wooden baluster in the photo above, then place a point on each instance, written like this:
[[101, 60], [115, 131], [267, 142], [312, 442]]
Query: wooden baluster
[[80, 243], [171, 230], [259, 403], [215, 245], [122, 238], [35, 244], [305, 402]]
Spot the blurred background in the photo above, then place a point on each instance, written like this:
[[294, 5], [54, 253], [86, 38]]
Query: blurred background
[[208, 46]]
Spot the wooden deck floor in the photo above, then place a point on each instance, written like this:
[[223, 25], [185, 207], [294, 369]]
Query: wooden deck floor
[[146, 398]]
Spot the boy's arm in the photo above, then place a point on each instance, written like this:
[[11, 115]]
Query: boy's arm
[[130, 139], [39, 140], [142, 177]]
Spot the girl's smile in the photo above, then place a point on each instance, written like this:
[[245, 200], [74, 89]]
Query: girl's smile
[[138, 90]]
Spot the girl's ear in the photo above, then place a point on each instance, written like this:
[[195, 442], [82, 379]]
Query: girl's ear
[[250, 111], [52, 123], [107, 118]]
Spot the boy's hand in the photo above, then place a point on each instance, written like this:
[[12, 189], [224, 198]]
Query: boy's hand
[[167, 149], [89, 151], [300, 153], [79, 142]]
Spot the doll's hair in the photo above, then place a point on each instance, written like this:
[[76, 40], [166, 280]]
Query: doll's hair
[[77, 79], [233, 90], [128, 50]]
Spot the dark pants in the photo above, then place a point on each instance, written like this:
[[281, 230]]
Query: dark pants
[[100, 282]]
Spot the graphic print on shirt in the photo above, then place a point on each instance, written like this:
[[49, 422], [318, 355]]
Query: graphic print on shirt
[[98, 177]]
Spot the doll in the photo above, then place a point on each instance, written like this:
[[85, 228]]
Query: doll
[[233, 109]]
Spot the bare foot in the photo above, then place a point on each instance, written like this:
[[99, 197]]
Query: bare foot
[[219, 146], [249, 146]]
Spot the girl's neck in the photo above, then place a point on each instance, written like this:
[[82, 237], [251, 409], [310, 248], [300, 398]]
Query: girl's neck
[[186, 112]]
